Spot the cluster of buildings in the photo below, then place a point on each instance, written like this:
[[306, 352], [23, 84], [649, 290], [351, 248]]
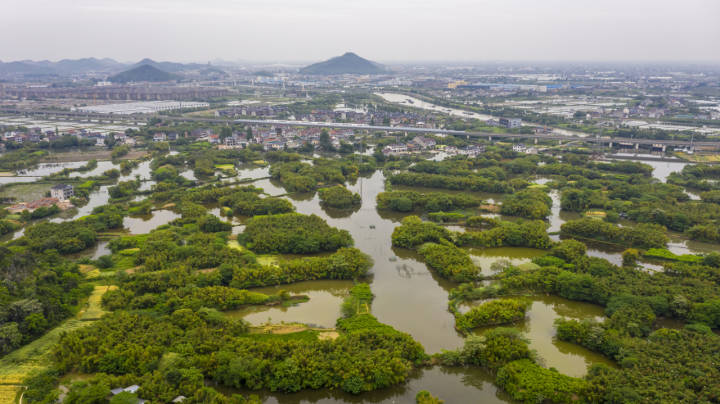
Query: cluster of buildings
[[37, 135], [508, 123], [282, 138], [347, 115], [418, 143], [521, 148], [422, 144]]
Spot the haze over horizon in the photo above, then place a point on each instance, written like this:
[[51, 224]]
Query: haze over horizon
[[406, 30]]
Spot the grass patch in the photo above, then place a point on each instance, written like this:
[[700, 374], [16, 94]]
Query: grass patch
[[25, 192], [664, 254], [268, 259], [9, 394], [599, 214], [18, 364], [92, 274], [528, 266], [699, 158], [122, 261], [93, 309], [129, 252], [235, 245], [261, 163], [225, 166]]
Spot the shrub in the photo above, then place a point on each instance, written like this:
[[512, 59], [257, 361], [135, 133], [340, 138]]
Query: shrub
[[527, 382], [449, 261], [494, 312], [294, 233], [339, 197]]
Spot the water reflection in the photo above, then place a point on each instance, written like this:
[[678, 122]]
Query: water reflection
[[407, 296], [662, 168], [539, 328], [145, 224], [102, 166], [449, 384], [322, 310], [485, 258]]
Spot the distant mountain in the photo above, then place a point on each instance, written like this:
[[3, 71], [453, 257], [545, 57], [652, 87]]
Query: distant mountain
[[24, 68], [59, 68], [67, 67], [88, 65], [171, 67], [348, 63], [143, 73]]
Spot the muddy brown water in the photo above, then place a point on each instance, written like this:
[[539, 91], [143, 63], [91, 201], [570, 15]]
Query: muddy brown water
[[413, 299]]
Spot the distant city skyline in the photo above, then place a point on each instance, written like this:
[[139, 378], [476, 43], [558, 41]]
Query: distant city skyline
[[398, 31]]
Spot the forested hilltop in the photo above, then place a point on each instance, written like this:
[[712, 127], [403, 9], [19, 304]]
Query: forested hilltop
[[159, 284]]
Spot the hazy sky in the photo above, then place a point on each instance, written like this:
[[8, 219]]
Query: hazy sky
[[382, 30]]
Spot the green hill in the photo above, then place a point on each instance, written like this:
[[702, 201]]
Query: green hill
[[143, 73], [348, 63]]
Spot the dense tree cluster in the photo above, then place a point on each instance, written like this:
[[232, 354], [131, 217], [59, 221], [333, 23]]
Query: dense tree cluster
[[644, 235], [246, 201], [298, 176], [345, 263], [494, 312], [668, 366], [294, 233], [700, 177], [513, 234], [449, 261], [190, 346], [39, 290], [124, 189], [339, 197], [414, 232], [455, 182], [528, 203], [408, 201]]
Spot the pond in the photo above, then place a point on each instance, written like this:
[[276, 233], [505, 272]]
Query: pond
[[146, 224], [322, 310]]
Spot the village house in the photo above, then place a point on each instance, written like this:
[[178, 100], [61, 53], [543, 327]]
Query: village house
[[424, 142], [62, 191], [395, 149]]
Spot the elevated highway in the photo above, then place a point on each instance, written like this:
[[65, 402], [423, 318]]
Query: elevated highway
[[630, 142]]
